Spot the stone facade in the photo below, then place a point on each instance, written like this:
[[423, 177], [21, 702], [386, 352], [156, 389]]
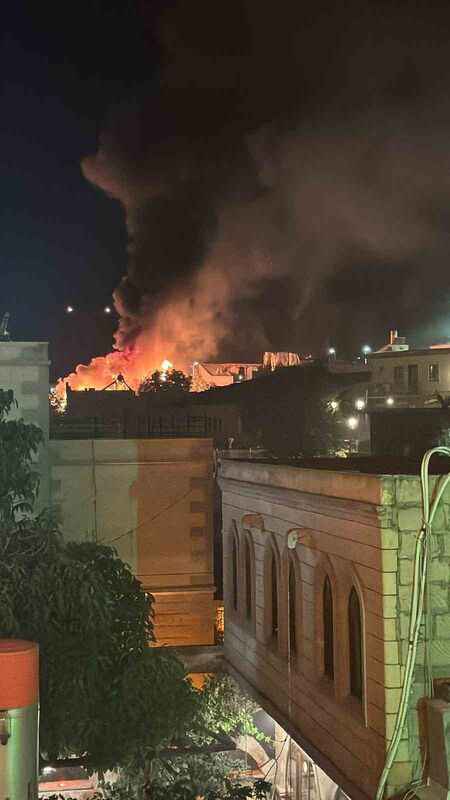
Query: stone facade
[[153, 500], [359, 531], [24, 368]]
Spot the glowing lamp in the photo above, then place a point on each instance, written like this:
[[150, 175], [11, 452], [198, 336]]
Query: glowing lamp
[[352, 423], [69, 309], [366, 349], [331, 351], [107, 310], [360, 404], [390, 401], [334, 405]]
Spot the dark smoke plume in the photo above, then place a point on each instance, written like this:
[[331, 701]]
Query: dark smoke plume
[[287, 180]]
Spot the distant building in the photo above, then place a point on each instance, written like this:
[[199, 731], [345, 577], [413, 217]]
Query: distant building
[[209, 375], [403, 377]]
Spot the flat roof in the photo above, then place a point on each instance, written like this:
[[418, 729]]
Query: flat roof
[[367, 465], [428, 351]]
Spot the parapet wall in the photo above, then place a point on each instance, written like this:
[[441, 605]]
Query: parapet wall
[[152, 500]]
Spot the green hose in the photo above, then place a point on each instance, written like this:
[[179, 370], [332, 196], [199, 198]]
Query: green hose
[[420, 570]]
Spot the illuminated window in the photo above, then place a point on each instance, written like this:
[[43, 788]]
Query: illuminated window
[[234, 575], [328, 632], [248, 579], [355, 644], [433, 372], [292, 609]]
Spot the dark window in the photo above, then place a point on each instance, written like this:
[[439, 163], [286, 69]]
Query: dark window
[[328, 633], [234, 568], [413, 378], [292, 609], [355, 644], [433, 372], [274, 595], [248, 580], [399, 375]]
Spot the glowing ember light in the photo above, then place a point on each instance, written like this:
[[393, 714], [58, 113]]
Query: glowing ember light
[[69, 309], [360, 404], [165, 367], [352, 423]]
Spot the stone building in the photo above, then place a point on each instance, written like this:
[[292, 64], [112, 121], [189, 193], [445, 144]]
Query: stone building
[[407, 377], [318, 573], [152, 499]]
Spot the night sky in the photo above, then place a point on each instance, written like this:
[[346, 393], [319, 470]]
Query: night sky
[[292, 160]]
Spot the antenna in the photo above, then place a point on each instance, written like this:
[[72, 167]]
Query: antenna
[[4, 334]]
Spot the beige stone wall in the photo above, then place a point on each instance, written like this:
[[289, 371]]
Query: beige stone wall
[[358, 529], [382, 371], [24, 368], [152, 499]]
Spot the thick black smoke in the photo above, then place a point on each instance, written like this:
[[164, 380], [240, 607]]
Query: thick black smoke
[[287, 178]]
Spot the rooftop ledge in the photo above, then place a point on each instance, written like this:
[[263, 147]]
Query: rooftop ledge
[[365, 479]]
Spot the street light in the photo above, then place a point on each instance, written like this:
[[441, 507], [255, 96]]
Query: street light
[[331, 351], [390, 401], [352, 423], [69, 309], [360, 404], [107, 309], [367, 349]]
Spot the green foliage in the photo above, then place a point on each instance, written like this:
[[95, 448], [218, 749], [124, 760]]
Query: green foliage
[[222, 708], [295, 416], [171, 383], [106, 696], [196, 778], [18, 481]]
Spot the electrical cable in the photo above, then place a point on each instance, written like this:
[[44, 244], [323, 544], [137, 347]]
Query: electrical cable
[[150, 519], [420, 587]]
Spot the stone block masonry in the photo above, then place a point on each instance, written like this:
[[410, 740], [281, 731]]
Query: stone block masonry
[[360, 530]]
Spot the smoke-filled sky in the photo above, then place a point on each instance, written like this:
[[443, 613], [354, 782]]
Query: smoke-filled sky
[[244, 175]]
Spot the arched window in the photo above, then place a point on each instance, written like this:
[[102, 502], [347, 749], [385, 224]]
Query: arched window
[[292, 588], [328, 632], [234, 572], [355, 644], [274, 595], [248, 579]]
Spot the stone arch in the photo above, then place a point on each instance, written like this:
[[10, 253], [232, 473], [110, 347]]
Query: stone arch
[[247, 582], [272, 593], [325, 573]]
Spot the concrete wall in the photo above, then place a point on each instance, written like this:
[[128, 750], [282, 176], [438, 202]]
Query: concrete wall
[[382, 372], [151, 499], [360, 530], [24, 368]]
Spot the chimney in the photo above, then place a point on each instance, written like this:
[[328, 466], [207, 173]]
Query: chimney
[[393, 335]]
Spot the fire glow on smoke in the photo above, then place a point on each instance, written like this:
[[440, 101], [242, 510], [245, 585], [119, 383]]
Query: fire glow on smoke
[[133, 364]]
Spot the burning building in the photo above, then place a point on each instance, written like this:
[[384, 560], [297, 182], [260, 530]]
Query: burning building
[[210, 375]]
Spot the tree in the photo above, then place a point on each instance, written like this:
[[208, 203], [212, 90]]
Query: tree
[[223, 711], [169, 383], [294, 412], [106, 695]]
